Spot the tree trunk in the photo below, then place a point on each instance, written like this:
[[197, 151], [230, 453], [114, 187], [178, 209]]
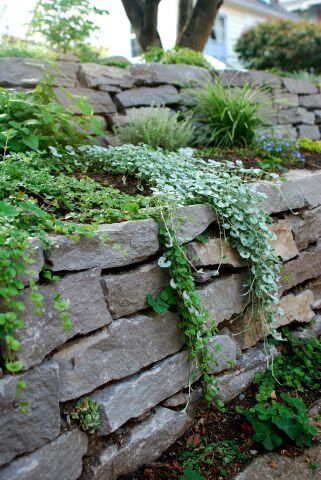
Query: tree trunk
[[185, 10], [143, 17], [195, 34]]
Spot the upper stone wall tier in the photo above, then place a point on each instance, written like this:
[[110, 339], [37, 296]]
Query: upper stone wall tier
[[294, 106]]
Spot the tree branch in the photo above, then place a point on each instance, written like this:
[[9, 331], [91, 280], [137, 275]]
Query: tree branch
[[143, 14], [198, 29], [185, 10]]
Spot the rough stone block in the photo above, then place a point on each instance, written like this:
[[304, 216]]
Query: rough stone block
[[237, 78], [299, 86], [176, 400], [306, 227], [225, 352], [130, 398], [214, 252], [312, 102], [312, 330], [115, 245], [285, 100], [104, 77], [192, 220], [125, 347], [60, 459], [296, 115], [144, 443], [305, 267], [315, 287], [175, 74], [35, 261], [163, 95], [309, 131], [236, 381], [302, 188], [317, 116], [286, 130], [248, 328], [21, 433], [297, 308], [224, 296], [101, 102], [43, 333], [126, 292], [285, 246]]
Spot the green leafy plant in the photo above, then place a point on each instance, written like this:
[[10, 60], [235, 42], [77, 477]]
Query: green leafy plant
[[176, 55], [283, 44], [273, 421], [86, 414], [310, 145], [35, 120], [15, 47], [64, 24], [157, 127], [189, 474], [227, 117]]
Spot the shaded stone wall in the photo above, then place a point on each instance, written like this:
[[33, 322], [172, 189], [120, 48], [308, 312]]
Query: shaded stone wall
[[112, 91], [128, 359]]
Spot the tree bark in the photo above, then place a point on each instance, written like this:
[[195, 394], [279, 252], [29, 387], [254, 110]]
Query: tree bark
[[185, 10], [143, 17], [195, 34]]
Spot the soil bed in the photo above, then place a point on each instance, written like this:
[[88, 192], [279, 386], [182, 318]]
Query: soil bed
[[216, 426]]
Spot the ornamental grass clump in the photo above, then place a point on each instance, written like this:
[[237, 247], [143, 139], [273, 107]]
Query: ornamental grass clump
[[228, 117], [156, 127]]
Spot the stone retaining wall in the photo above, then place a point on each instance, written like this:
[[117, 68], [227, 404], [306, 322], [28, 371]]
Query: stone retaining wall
[[132, 361], [112, 91]]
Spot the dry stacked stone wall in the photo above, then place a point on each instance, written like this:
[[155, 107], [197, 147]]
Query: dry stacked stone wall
[[132, 361], [113, 91]]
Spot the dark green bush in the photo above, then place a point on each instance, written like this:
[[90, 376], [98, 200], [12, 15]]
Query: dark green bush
[[282, 44]]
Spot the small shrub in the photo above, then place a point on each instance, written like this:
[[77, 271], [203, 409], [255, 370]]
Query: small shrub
[[86, 414], [36, 120], [15, 47], [310, 145], [227, 117], [282, 44], [183, 55], [157, 127], [276, 150]]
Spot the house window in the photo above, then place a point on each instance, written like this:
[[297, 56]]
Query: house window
[[216, 43], [134, 45]]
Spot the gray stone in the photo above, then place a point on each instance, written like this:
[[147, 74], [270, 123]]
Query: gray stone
[[305, 267], [296, 115], [310, 101], [299, 86], [28, 72], [192, 220], [188, 97], [104, 77], [309, 131], [126, 292], [130, 398], [248, 328], [115, 245], [43, 333], [225, 352], [21, 432], [101, 102], [285, 100], [118, 351], [145, 442], [163, 95], [300, 189], [286, 130], [224, 296], [297, 308], [317, 116], [35, 261], [175, 74], [237, 78], [176, 400], [312, 330], [275, 466], [306, 227], [60, 459], [213, 252], [234, 382]]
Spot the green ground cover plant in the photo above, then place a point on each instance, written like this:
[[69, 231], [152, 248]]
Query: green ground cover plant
[[86, 414], [226, 117], [310, 145], [156, 127], [183, 55]]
